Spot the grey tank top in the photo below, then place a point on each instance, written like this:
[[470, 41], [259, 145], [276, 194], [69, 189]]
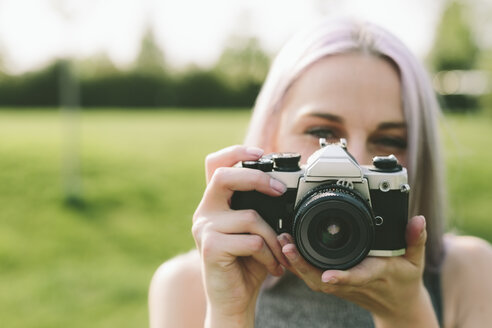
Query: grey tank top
[[290, 303]]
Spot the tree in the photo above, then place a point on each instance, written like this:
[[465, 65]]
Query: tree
[[485, 64], [150, 60], [242, 67], [2, 61], [243, 61], [98, 65], [455, 46]]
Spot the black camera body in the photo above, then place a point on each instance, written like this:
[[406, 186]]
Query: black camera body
[[337, 211]]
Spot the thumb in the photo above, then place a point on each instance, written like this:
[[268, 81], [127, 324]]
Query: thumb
[[415, 236]]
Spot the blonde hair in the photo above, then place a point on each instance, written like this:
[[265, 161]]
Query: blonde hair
[[420, 108]]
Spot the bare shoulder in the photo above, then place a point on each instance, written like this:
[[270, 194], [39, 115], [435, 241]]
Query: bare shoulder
[[466, 254], [467, 288], [176, 295]]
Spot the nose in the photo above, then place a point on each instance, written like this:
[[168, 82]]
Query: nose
[[358, 149]]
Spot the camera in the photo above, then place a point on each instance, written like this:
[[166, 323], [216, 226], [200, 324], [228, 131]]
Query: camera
[[337, 211]]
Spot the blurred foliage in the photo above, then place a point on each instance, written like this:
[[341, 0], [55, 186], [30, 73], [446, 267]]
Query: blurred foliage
[[485, 64], [454, 45], [243, 61], [38, 88], [234, 80], [455, 48], [94, 67], [150, 60]]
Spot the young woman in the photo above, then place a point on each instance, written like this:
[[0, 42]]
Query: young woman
[[337, 79]]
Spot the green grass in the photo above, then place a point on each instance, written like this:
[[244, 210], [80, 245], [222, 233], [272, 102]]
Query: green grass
[[468, 153], [142, 177], [90, 264]]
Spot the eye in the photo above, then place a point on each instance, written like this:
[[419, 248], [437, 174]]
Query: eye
[[398, 143], [323, 132]]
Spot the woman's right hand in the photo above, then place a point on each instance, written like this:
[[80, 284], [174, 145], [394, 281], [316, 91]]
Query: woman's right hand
[[237, 247]]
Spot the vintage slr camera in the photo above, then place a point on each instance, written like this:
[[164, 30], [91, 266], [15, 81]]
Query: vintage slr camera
[[337, 211]]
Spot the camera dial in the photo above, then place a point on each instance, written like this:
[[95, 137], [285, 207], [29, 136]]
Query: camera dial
[[386, 164], [264, 164], [286, 162]]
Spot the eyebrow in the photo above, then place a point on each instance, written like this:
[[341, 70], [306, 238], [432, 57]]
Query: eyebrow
[[327, 116], [392, 125], [381, 126]]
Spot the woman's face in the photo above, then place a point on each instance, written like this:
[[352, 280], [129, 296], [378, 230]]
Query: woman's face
[[352, 96]]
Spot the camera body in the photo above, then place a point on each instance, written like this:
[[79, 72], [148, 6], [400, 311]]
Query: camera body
[[337, 211]]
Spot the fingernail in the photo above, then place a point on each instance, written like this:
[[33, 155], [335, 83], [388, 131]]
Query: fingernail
[[277, 186], [282, 240], [292, 256], [289, 238], [254, 151], [329, 280]]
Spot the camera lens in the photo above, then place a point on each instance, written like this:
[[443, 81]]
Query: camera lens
[[333, 227], [333, 232]]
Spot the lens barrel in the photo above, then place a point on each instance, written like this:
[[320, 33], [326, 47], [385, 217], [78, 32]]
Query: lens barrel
[[333, 227]]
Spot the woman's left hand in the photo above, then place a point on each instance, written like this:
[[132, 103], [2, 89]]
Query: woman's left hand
[[391, 288]]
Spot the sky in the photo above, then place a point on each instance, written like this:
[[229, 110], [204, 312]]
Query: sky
[[34, 32]]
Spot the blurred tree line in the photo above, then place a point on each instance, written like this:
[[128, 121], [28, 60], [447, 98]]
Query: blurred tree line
[[460, 61], [234, 80]]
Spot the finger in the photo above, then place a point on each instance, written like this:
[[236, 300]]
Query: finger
[[243, 246], [249, 221], [226, 180], [370, 269], [284, 239], [416, 236], [299, 266], [229, 156]]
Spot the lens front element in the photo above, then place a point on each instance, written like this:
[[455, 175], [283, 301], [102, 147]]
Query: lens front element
[[333, 231]]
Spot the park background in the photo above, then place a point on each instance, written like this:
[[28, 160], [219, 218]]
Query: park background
[[101, 150]]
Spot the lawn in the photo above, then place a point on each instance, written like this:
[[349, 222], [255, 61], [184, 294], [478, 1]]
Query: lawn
[[88, 263]]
